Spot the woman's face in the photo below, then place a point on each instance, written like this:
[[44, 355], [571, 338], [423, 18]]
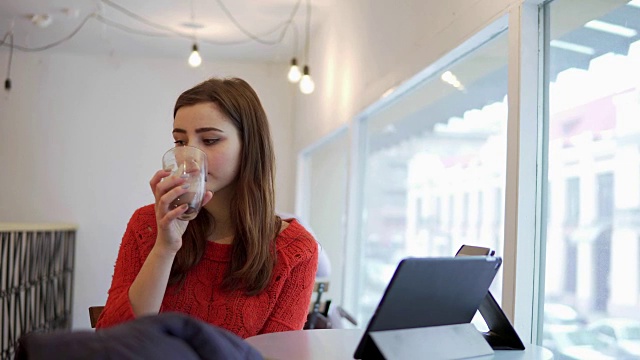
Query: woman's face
[[204, 126]]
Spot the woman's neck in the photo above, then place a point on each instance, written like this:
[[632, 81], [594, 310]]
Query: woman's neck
[[225, 240], [219, 208]]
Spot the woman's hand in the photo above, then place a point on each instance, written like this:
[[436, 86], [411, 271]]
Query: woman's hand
[[170, 228], [148, 288]]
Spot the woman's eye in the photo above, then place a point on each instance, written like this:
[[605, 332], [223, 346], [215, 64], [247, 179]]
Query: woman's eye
[[179, 142], [210, 141]]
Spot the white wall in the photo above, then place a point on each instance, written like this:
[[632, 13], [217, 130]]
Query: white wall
[[81, 136]]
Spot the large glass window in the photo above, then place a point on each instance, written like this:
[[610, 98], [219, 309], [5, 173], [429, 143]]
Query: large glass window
[[433, 170], [592, 283]]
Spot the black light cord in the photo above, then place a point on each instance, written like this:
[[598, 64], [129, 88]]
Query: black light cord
[[124, 28], [256, 37], [141, 19], [130, 30], [308, 30], [53, 44], [295, 38], [169, 32], [7, 82], [251, 36]]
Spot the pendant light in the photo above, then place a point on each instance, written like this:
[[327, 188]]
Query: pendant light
[[306, 83], [7, 82], [294, 74], [194, 59]]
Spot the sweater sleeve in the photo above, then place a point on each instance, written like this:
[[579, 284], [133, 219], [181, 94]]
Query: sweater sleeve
[[118, 307], [292, 305]]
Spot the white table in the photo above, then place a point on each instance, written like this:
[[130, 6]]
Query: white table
[[337, 344]]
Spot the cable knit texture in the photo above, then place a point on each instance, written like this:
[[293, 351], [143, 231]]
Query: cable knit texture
[[282, 306]]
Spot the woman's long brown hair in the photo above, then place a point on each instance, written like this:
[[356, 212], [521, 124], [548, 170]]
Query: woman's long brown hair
[[252, 208]]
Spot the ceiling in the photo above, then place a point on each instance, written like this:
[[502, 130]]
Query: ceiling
[[163, 28]]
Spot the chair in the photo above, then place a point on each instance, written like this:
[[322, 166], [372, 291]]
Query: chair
[[94, 314], [317, 319]]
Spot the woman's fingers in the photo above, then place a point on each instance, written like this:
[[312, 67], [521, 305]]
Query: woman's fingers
[[157, 177], [168, 184], [166, 189], [172, 215], [168, 207], [178, 188]]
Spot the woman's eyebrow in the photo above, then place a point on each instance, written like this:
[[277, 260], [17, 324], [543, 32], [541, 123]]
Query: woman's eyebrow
[[201, 130], [198, 131]]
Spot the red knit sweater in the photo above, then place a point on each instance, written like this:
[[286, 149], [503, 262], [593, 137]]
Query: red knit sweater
[[282, 306]]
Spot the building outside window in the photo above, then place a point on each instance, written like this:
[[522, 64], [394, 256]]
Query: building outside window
[[592, 284]]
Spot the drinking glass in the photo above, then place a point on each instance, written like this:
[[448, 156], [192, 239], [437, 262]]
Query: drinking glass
[[190, 163]]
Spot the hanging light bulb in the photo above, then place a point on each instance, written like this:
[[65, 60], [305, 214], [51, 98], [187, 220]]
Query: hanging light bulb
[[294, 72], [306, 83], [194, 59]]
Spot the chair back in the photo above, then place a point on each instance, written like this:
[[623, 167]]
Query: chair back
[[318, 310], [94, 315]]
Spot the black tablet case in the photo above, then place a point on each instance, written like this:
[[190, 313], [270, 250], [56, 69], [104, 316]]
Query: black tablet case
[[430, 292]]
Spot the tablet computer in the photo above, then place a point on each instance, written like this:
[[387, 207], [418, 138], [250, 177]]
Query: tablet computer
[[430, 292]]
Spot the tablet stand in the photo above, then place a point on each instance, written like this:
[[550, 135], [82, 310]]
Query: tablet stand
[[448, 341], [501, 334], [459, 341]]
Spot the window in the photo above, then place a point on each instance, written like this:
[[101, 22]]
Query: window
[[480, 214], [605, 197], [433, 146], [498, 207], [592, 241], [465, 213], [430, 169], [572, 202]]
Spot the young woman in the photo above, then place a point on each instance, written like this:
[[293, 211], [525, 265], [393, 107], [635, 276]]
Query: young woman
[[236, 265]]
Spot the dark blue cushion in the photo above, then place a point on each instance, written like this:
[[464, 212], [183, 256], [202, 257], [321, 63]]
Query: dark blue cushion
[[164, 336]]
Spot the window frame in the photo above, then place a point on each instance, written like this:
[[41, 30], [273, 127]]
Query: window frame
[[524, 233]]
